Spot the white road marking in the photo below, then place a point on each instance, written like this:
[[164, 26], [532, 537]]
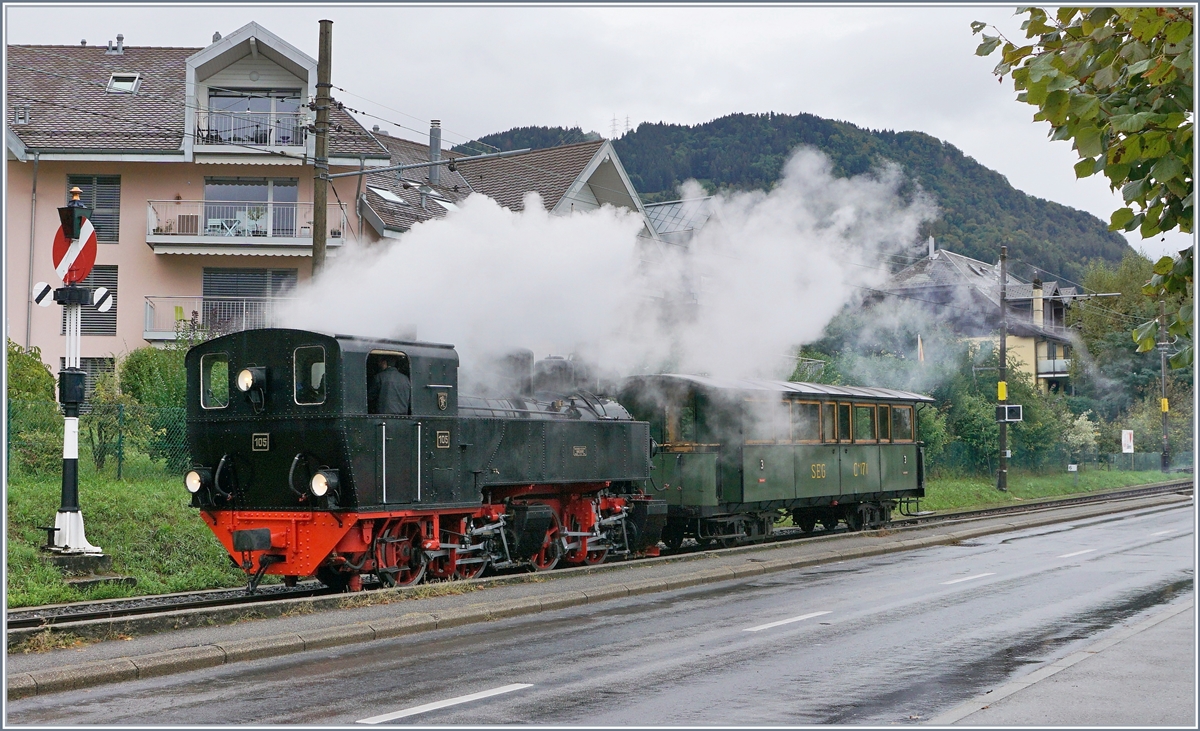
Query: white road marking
[[1163, 532], [968, 578], [1077, 553], [446, 703], [769, 625]]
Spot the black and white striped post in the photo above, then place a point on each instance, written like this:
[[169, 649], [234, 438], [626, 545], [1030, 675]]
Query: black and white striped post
[[69, 537]]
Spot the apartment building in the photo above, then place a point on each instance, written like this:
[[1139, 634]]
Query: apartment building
[[197, 164]]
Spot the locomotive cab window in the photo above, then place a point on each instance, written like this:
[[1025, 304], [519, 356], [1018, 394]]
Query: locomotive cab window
[[864, 423], [902, 423], [308, 374], [389, 388], [806, 422], [214, 380]]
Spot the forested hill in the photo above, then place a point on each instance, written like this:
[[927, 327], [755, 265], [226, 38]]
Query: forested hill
[[980, 210]]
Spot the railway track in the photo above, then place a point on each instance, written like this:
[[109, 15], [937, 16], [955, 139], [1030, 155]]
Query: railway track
[[85, 612]]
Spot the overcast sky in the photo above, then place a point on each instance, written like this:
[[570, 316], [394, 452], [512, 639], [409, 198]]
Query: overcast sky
[[488, 69]]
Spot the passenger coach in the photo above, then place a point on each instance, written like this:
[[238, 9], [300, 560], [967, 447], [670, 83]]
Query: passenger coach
[[736, 456]]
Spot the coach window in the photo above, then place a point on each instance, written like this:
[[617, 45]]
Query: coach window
[[864, 422], [902, 424], [766, 422], [885, 424], [214, 380], [843, 418], [308, 373], [806, 422], [828, 422]]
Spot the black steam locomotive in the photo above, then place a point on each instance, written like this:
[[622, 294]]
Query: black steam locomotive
[[296, 476]]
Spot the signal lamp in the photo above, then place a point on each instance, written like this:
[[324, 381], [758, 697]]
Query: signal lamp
[[197, 479], [323, 482], [250, 378]]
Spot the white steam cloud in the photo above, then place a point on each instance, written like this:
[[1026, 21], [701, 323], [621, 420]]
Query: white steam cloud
[[766, 273]]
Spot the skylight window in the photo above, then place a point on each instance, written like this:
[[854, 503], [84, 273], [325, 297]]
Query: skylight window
[[385, 194], [123, 83], [21, 114], [445, 204]]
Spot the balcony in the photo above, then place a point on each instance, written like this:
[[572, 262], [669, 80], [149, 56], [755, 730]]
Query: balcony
[[216, 315], [1057, 368], [240, 228], [255, 129]]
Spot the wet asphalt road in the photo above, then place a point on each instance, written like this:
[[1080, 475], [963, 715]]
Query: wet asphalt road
[[894, 639]]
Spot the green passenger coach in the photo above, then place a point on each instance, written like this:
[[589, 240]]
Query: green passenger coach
[[737, 456]]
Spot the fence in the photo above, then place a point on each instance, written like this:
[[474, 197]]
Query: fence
[[111, 436], [1142, 461]]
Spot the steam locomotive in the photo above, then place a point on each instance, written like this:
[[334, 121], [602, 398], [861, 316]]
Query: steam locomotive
[[297, 477]]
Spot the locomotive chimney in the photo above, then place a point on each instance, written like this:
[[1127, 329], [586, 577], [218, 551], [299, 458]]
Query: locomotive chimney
[[435, 151]]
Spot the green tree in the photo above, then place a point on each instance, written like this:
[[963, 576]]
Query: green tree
[[1118, 82]]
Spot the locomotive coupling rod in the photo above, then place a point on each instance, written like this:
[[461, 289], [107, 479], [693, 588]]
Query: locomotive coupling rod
[[453, 161]]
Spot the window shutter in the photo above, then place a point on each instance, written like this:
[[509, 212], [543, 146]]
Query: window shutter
[[94, 321], [248, 282], [101, 193]]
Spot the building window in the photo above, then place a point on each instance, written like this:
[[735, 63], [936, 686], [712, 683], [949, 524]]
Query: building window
[[243, 299], [21, 114], [123, 83], [96, 322], [92, 368], [253, 117], [101, 193], [250, 206]]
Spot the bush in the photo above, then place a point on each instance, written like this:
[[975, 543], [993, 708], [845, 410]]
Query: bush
[[29, 379], [155, 377]]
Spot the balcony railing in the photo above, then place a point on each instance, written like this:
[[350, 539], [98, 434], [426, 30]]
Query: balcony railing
[[259, 129], [222, 220], [215, 315], [1055, 367]]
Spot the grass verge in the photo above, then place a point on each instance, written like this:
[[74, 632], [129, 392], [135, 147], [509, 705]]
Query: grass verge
[[964, 493]]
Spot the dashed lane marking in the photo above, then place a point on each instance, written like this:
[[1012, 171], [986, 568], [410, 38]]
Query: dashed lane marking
[[769, 625], [446, 703], [1077, 553], [1163, 532], [969, 578]]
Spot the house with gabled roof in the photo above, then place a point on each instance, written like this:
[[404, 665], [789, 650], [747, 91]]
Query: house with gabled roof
[[965, 293], [198, 166], [575, 177]]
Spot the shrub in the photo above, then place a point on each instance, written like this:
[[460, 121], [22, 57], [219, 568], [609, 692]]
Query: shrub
[[29, 379]]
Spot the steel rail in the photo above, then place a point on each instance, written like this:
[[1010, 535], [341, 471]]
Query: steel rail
[[47, 616]]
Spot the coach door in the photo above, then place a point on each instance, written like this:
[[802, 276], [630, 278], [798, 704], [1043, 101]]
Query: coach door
[[860, 456]]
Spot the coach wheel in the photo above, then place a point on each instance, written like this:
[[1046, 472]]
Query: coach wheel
[[399, 561], [550, 552], [829, 520], [672, 536], [805, 521], [854, 518]]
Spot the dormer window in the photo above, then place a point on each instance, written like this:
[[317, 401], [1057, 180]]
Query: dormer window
[[123, 83], [21, 114]]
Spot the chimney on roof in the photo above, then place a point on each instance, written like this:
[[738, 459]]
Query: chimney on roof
[[216, 36], [83, 42], [435, 151], [1039, 317], [375, 128], [932, 247], [119, 49]]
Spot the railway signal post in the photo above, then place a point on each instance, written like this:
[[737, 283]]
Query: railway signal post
[[74, 255], [1002, 386]]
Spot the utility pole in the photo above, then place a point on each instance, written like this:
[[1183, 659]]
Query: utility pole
[[321, 161], [1162, 352], [1002, 386]]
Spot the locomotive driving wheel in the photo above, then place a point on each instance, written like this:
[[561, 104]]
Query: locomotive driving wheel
[[464, 571], [550, 552], [399, 560]]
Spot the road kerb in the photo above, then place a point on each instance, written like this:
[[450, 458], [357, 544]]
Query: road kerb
[[334, 636], [178, 661], [563, 600], [406, 624], [260, 647], [21, 685], [83, 676]]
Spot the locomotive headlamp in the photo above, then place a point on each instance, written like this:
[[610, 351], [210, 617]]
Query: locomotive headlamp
[[250, 378], [323, 482], [197, 479]]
